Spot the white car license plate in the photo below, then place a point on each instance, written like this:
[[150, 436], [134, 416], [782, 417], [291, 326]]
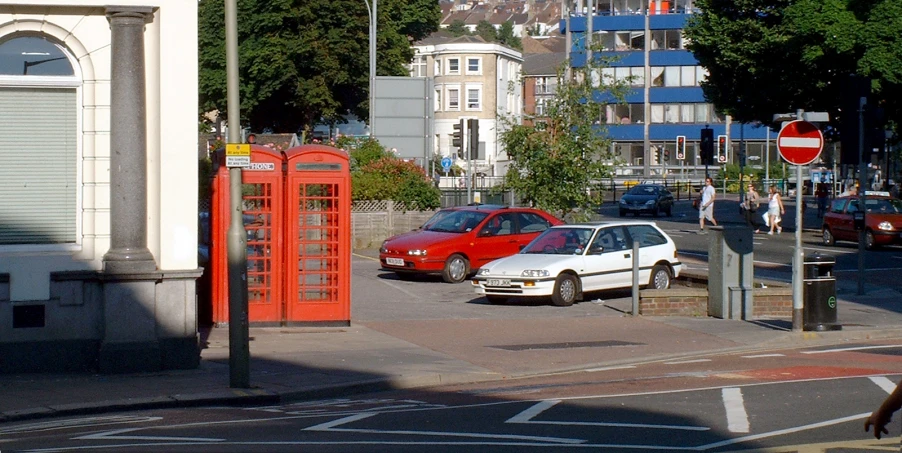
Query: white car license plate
[[497, 282], [394, 261]]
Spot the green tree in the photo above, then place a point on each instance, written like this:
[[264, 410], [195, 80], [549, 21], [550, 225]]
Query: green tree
[[303, 61], [365, 152], [486, 31], [377, 174], [458, 28], [772, 56], [559, 161], [507, 37]]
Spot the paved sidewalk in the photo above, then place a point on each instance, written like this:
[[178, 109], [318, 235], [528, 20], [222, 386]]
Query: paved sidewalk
[[290, 364]]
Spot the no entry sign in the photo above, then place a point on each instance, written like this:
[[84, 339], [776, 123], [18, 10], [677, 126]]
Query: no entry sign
[[800, 142]]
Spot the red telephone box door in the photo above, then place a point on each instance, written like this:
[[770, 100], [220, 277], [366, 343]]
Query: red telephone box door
[[262, 213], [318, 236]]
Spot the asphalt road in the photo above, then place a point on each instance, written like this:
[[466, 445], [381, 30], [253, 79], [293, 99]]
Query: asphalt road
[[811, 399]]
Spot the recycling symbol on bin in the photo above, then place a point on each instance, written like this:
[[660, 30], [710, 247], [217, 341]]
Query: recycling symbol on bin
[[831, 302]]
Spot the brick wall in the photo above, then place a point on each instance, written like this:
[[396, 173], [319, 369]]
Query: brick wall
[[674, 302], [770, 302]]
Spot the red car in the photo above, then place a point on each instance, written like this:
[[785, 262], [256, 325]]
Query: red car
[[460, 240], [883, 220]]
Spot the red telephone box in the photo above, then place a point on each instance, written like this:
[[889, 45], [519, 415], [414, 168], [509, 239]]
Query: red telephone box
[[262, 212], [318, 215], [311, 221]]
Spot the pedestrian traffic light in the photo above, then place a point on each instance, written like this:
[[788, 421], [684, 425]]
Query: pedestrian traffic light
[[681, 147], [473, 138], [722, 148], [707, 146], [458, 135]]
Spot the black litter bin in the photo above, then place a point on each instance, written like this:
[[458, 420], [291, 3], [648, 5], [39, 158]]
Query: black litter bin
[[819, 311]]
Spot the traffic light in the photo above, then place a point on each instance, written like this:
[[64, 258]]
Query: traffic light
[[473, 135], [722, 148], [457, 136], [681, 147], [666, 154], [707, 146], [856, 87]]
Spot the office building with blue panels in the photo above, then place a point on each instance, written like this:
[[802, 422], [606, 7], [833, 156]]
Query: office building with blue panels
[[644, 41]]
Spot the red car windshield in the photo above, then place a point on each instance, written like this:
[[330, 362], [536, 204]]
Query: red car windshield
[[879, 205], [458, 222], [884, 206]]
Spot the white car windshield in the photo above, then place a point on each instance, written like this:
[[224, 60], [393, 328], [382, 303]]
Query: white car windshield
[[560, 241]]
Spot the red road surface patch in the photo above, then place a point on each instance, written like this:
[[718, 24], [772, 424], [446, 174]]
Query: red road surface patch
[[809, 372]]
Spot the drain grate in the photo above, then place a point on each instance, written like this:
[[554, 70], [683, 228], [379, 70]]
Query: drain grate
[[567, 345]]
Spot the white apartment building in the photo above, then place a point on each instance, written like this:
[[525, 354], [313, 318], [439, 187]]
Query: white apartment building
[[473, 79]]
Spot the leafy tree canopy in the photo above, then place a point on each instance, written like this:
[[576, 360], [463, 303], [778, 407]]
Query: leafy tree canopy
[[458, 28], [507, 36], [774, 56], [558, 161], [486, 31], [377, 174], [305, 60]]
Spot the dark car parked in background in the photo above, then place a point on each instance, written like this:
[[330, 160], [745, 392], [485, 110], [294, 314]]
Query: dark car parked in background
[[651, 199]]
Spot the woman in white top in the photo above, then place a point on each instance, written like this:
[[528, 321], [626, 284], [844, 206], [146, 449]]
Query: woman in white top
[[774, 210]]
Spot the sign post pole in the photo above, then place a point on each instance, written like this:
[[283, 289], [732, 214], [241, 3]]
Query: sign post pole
[[799, 143], [239, 337]]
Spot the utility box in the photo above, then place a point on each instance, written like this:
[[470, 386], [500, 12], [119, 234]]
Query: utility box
[[819, 311], [731, 273]]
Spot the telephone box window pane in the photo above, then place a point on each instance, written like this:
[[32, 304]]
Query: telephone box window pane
[[34, 56]]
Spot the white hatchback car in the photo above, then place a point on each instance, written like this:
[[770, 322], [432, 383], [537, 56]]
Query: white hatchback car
[[568, 260]]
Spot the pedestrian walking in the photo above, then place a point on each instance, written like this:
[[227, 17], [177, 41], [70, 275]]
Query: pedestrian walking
[[750, 205], [882, 416], [775, 210], [706, 206]]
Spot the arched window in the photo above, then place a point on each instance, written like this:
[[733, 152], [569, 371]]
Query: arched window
[[39, 191], [35, 56]]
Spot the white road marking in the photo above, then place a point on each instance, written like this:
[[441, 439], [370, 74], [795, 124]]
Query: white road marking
[[737, 417], [883, 382], [394, 286], [687, 361], [106, 435], [526, 417], [781, 432], [758, 356], [832, 251], [856, 348], [77, 423], [331, 427], [625, 367], [533, 411], [768, 263]]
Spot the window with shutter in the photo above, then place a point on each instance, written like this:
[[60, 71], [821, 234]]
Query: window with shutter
[[38, 143]]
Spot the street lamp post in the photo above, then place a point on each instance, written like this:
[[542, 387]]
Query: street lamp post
[[372, 12]]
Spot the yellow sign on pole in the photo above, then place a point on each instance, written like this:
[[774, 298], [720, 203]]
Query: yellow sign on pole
[[238, 149]]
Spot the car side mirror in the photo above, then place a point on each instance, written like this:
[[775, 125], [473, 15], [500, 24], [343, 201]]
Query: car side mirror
[[596, 250]]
